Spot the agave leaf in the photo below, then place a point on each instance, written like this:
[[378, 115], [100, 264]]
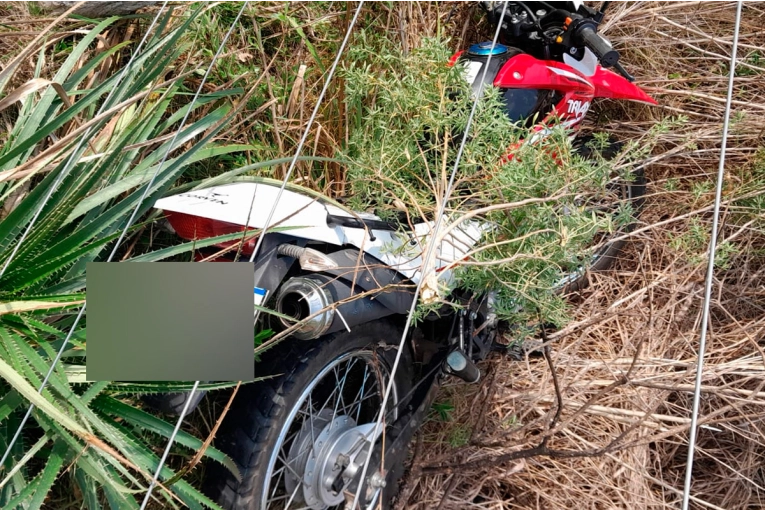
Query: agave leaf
[[188, 133], [21, 362], [145, 457], [25, 493], [49, 474], [20, 275], [9, 403], [10, 161], [89, 490], [48, 262], [112, 219], [28, 306], [31, 452], [79, 75], [201, 101], [90, 464], [28, 125], [28, 326], [94, 390], [126, 146], [12, 225], [140, 177], [25, 389], [163, 387], [146, 421], [116, 435]]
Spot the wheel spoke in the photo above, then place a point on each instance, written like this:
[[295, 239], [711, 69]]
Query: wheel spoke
[[360, 395], [292, 496], [332, 394], [280, 476], [344, 387], [287, 465], [356, 404], [310, 417], [340, 398]]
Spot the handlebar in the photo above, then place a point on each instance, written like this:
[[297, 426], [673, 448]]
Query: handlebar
[[579, 28], [607, 55]]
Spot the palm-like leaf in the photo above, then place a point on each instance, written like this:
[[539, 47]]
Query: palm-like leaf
[[45, 280]]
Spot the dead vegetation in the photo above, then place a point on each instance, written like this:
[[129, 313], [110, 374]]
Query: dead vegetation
[[615, 434]]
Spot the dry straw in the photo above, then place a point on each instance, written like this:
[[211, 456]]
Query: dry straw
[[625, 367]]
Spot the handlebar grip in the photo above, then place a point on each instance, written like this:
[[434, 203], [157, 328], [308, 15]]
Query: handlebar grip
[[600, 47]]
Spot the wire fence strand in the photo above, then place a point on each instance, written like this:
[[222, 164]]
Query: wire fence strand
[[67, 168], [428, 256], [710, 267]]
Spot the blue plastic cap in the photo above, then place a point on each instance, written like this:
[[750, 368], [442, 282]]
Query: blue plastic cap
[[484, 48]]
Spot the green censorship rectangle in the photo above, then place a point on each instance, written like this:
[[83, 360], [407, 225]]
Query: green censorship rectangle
[[169, 321]]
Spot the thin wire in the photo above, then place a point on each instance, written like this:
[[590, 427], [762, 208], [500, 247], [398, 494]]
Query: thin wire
[[74, 155], [67, 167], [429, 254], [284, 183], [305, 134], [114, 251], [710, 268], [169, 443]]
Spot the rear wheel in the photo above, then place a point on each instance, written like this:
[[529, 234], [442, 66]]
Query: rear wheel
[[621, 194], [298, 437]]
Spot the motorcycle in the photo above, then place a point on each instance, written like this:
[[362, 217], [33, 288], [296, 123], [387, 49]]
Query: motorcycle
[[303, 433]]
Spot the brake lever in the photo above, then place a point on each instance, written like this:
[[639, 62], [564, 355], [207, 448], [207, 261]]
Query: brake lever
[[624, 72]]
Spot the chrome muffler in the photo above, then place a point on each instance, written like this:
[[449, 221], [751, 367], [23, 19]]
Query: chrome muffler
[[324, 305], [301, 298]]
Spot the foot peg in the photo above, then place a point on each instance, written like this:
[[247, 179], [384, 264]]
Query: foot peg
[[459, 365]]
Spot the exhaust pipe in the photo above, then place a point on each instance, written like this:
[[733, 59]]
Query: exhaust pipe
[[301, 297]]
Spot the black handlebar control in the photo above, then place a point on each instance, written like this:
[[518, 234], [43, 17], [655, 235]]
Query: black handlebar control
[[548, 30], [607, 55]]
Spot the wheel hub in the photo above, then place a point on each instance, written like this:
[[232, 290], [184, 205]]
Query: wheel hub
[[325, 456]]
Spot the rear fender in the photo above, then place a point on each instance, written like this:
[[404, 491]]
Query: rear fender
[[610, 85]]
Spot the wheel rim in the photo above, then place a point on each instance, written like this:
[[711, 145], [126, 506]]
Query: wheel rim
[[322, 433]]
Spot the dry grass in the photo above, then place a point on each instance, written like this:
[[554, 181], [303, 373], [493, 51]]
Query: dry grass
[[626, 366]]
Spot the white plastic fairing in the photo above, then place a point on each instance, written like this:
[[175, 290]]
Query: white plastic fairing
[[306, 217], [587, 66]]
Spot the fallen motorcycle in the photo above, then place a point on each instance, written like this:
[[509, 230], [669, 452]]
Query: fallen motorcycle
[[341, 283]]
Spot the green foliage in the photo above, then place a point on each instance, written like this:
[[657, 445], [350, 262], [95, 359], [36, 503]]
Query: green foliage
[[459, 435], [107, 440], [443, 410], [414, 110]]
